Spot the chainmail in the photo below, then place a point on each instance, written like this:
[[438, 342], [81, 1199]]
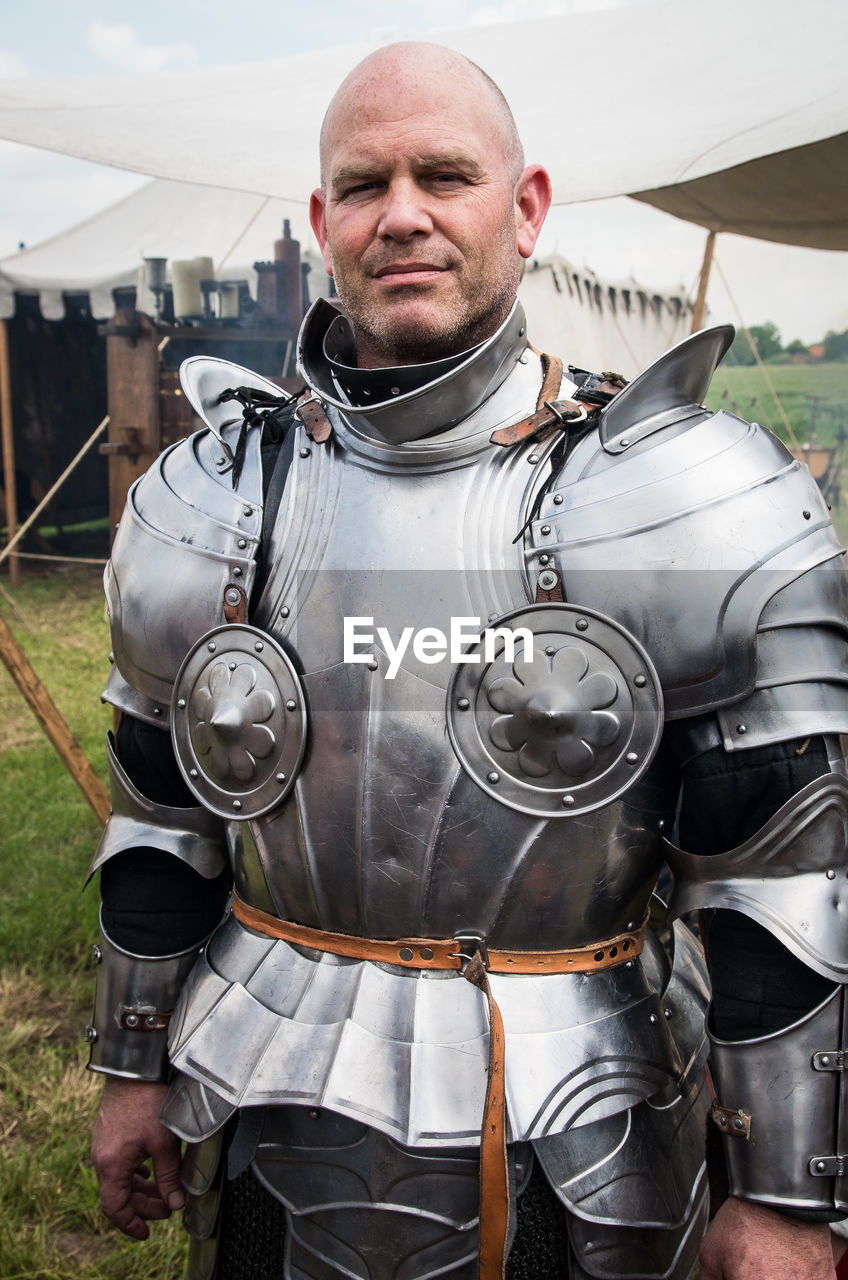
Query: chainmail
[[252, 1233]]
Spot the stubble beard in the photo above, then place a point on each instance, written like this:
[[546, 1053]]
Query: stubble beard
[[394, 335]]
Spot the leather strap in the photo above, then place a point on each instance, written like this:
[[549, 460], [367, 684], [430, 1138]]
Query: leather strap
[[443, 953], [311, 413], [448, 953]]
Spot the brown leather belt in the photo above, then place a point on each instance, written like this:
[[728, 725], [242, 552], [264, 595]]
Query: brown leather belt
[[469, 955]]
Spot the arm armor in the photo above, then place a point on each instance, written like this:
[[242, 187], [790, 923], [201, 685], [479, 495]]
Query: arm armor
[[782, 1100], [135, 995], [133, 1002], [193, 835]]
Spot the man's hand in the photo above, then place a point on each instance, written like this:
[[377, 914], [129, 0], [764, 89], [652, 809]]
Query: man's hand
[[747, 1241], [128, 1134]]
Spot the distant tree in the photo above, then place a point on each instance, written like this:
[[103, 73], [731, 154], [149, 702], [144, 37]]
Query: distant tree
[[768, 343], [836, 345], [797, 349]]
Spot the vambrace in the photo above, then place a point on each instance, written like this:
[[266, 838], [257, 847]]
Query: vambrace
[[133, 1001], [781, 1098]]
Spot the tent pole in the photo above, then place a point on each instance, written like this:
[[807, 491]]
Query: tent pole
[[703, 282], [8, 448], [52, 722]]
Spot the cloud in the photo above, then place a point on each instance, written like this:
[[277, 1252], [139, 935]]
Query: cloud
[[12, 67], [121, 46]]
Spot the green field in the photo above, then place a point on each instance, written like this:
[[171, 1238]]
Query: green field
[[51, 1227], [815, 393]]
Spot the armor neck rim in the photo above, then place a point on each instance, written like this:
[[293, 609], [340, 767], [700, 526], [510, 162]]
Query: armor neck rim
[[458, 385]]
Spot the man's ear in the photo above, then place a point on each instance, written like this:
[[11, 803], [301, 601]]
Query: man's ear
[[532, 201], [318, 218]]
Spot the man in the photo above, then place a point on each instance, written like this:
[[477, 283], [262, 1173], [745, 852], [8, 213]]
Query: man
[[435, 989]]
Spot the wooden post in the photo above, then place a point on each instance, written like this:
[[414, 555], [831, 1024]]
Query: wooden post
[[703, 282], [8, 448], [52, 722], [132, 371]]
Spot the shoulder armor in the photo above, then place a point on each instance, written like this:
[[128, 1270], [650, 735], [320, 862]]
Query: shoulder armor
[[185, 536], [683, 525]]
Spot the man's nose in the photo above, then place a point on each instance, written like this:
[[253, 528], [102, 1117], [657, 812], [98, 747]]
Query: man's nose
[[404, 213]]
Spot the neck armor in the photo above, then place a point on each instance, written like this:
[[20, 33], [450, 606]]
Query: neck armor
[[410, 401]]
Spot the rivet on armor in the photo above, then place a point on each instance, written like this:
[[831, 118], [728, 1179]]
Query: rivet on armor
[[493, 776], [661, 825], [632, 757], [259, 646], [738, 1122], [544, 559], [522, 359], [629, 964], [722, 1121], [237, 805], [372, 665], [492, 617], [550, 650], [546, 528], [631, 924], [192, 773], [131, 1020], [825, 1059], [237, 572], [395, 391], [831, 874], [406, 953], [463, 704], [640, 681], [157, 711], [820, 1166], [624, 443], [558, 499], [805, 514], [567, 801], [232, 595], [653, 1018], [521, 333], [281, 777], [667, 1012], [151, 1020], [741, 728], [211, 646], [284, 612], [248, 511], [314, 1113], [547, 580], [304, 453], [89, 1034], [582, 624], [426, 953], [181, 703], [242, 543], [96, 954], [291, 705], [219, 462]]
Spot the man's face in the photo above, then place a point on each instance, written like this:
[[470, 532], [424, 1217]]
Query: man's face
[[420, 222]]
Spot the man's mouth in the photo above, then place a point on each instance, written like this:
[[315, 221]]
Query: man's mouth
[[409, 272]]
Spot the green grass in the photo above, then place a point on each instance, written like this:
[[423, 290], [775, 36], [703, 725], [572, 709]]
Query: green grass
[[745, 392], [51, 1227]]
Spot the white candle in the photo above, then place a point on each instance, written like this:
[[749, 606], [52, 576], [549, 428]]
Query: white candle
[[185, 279]]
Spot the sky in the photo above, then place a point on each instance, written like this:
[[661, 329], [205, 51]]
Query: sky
[[803, 291]]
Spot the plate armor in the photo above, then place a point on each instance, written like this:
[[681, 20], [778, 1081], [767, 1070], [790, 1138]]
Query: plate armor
[[438, 723]]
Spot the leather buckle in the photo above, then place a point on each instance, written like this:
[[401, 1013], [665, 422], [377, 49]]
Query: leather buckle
[[469, 944]]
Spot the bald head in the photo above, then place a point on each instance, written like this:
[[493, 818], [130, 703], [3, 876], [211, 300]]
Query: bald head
[[419, 71]]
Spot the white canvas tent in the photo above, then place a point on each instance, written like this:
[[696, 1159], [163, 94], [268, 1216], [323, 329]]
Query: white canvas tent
[[593, 322], [732, 115]]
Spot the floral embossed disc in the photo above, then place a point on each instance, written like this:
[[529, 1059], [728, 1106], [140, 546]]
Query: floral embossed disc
[[563, 719], [238, 722]]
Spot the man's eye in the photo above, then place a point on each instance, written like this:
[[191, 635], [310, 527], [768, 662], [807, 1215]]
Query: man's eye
[[449, 180], [359, 190]]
